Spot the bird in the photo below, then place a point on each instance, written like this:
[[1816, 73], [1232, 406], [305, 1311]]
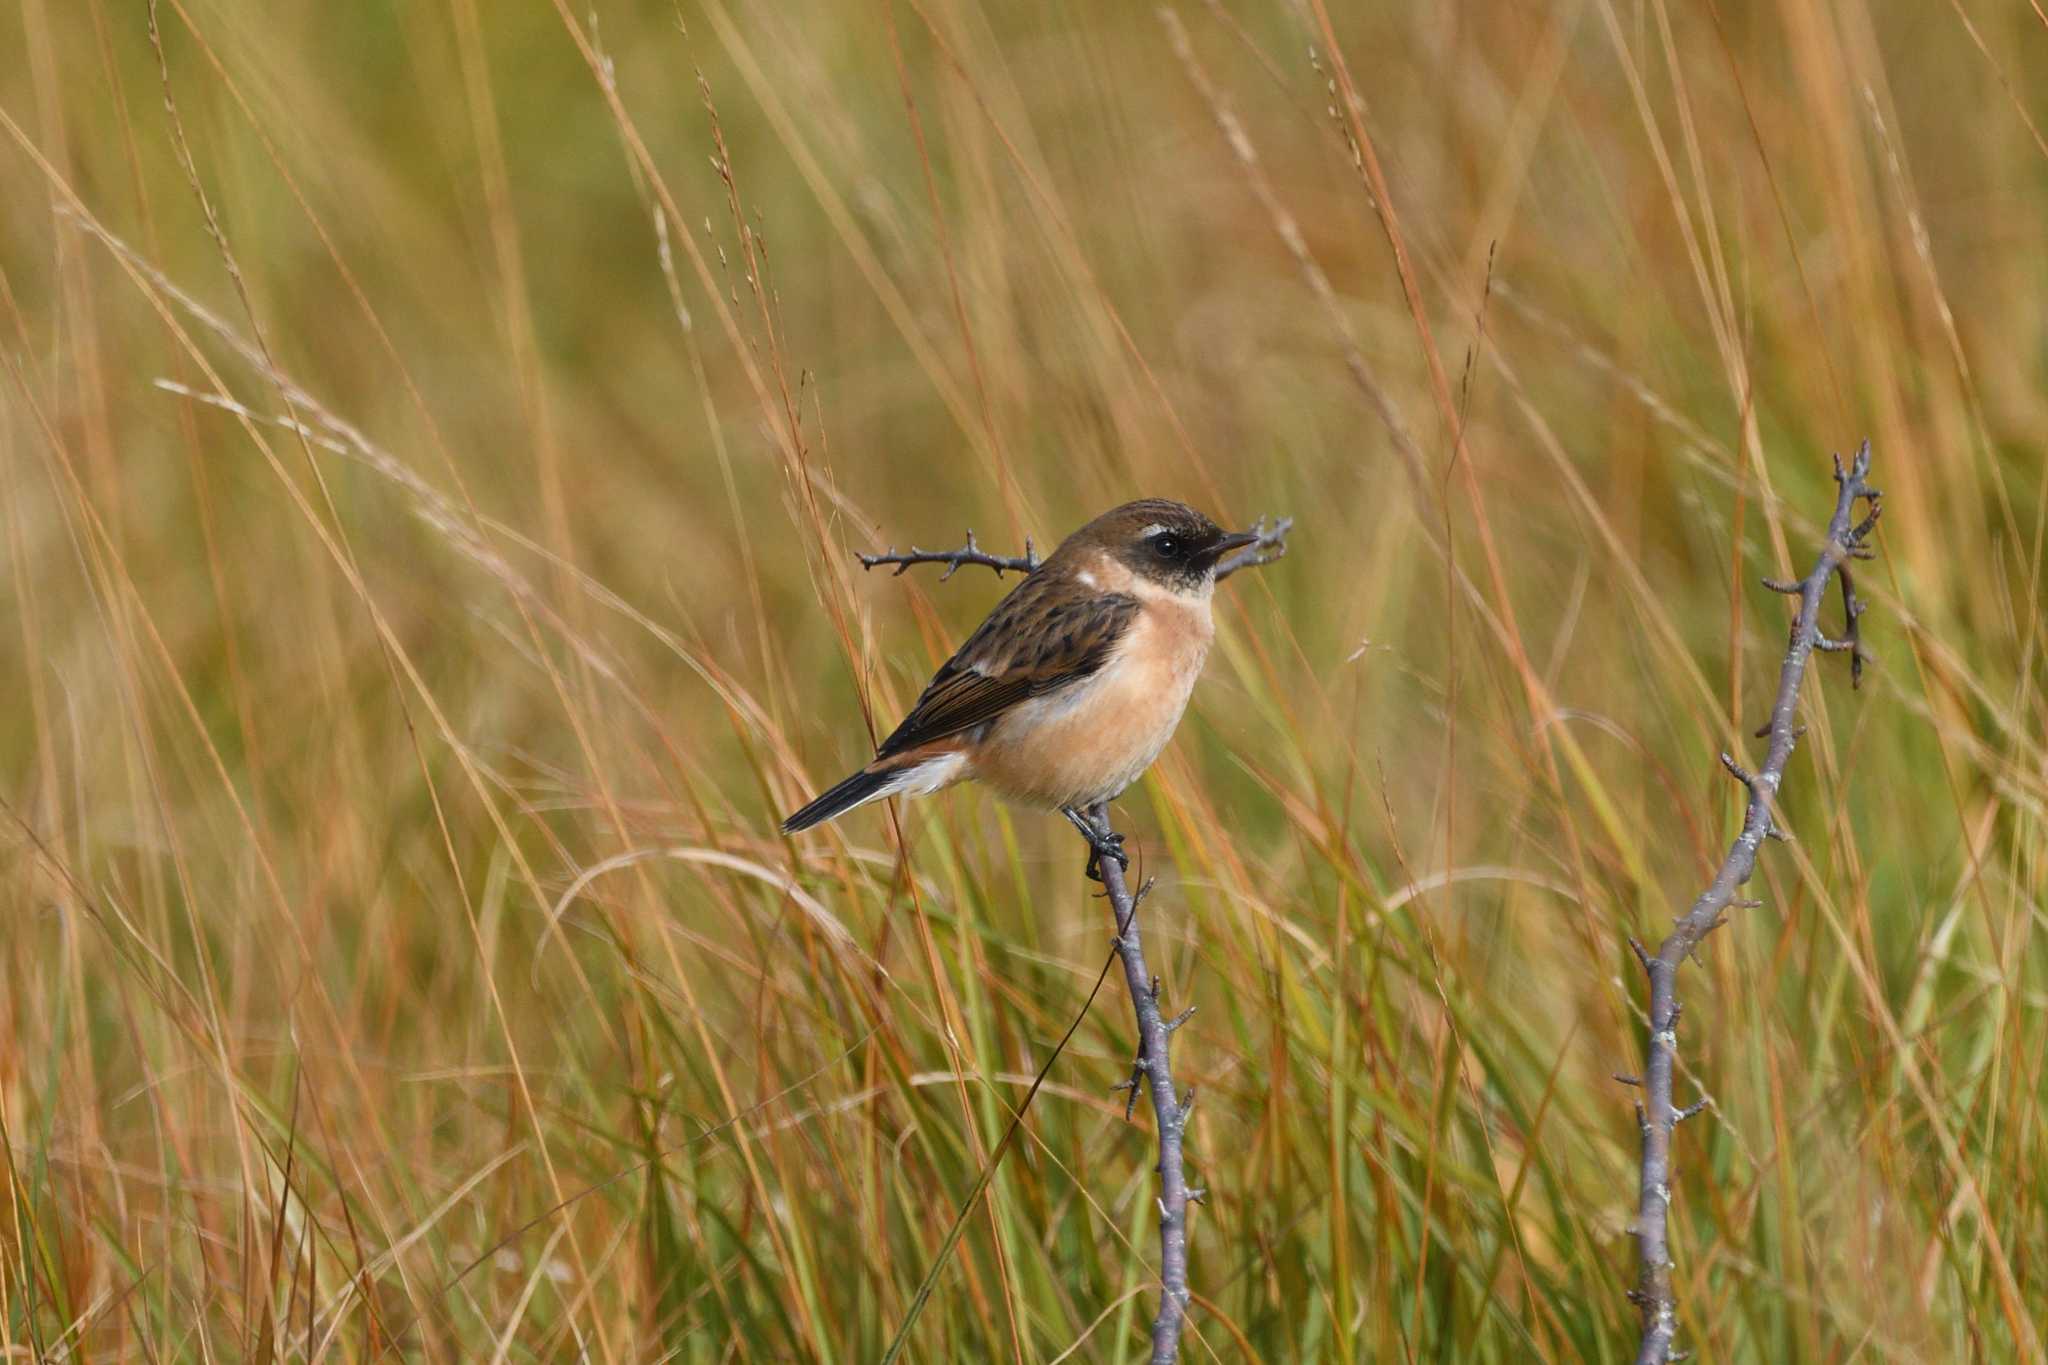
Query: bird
[[1074, 683]]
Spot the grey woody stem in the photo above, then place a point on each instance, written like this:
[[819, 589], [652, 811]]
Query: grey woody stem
[[1657, 1116], [1153, 1073]]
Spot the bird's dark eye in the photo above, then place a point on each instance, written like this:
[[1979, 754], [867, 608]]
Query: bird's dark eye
[[1168, 547]]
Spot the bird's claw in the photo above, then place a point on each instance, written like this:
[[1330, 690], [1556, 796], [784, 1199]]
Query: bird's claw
[[1102, 845], [1103, 842]]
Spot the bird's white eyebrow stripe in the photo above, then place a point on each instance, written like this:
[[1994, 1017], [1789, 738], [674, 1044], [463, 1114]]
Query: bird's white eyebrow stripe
[[1154, 529]]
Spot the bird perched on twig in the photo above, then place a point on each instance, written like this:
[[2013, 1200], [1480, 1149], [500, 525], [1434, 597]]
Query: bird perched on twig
[[1076, 680]]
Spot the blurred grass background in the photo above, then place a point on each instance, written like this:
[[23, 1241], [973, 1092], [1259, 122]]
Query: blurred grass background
[[432, 459]]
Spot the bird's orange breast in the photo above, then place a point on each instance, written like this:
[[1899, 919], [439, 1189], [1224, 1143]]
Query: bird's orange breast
[[1087, 742]]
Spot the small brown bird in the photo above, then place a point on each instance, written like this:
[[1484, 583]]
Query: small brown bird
[[1074, 683]]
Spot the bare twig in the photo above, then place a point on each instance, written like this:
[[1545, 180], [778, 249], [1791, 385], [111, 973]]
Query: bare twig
[[1846, 540], [1270, 545], [1154, 1072], [970, 553]]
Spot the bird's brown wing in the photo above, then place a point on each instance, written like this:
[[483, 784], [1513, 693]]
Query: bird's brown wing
[[1040, 638]]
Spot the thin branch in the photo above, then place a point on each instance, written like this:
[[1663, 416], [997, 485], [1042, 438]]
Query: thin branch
[[1270, 545], [1845, 541], [970, 553], [1153, 1071]]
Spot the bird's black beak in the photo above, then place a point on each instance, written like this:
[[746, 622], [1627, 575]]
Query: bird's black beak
[[1223, 545]]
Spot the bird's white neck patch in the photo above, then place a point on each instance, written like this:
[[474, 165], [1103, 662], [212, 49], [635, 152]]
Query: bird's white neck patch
[[1107, 573]]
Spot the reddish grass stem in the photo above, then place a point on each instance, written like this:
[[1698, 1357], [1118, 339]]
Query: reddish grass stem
[[1657, 1116]]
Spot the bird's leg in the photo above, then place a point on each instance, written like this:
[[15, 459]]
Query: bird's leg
[[1103, 842]]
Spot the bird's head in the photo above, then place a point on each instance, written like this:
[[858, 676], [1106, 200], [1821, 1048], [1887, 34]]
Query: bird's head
[[1162, 541]]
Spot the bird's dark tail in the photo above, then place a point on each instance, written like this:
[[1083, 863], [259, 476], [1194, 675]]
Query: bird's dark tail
[[862, 787]]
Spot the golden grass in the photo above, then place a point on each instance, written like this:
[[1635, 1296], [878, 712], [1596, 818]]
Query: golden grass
[[431, 460]]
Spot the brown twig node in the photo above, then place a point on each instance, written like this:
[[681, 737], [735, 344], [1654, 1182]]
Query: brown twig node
[[1846, 540]]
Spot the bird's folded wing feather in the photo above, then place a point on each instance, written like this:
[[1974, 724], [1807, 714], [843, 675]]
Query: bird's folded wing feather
[[1037, 640]]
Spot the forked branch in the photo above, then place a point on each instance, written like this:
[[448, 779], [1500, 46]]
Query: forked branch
[[1657, 1116]]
